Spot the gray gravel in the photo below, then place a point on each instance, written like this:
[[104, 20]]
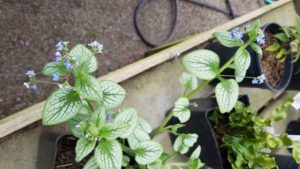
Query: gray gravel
[[29, 29]]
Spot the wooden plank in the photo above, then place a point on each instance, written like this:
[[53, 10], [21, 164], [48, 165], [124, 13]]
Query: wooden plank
[[32, 114]]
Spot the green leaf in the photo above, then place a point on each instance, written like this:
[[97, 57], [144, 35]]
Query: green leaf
[[189, 81], [144, 125], [155, 165], [203, 63], [273, 47], [280, 112], [137, 136], [61, 106], [85, 57], [125, 161], [74, 122], [147, 152], [128, 116], [285, 140], [111, 131], [226, 40], [196, 153], [282, 37], [256, 49], [113, 94], [195, 164], [183, 142], [280, 53], [54, 67], [99, 116], [242, 62], [181, 109], [83, 148], [88, 87], [91, 164], [108, 154], [227, 95]]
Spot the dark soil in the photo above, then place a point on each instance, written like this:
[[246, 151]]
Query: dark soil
[[272, 67], [65, 158], [29, 30]]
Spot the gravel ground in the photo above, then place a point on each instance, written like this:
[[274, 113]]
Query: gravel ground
[[29, 30]]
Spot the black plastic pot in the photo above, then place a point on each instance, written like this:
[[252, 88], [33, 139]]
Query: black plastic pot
[[255, 68], [295, 80], [211, 154]]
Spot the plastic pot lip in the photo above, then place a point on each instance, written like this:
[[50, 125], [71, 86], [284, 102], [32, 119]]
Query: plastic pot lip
[[287, 71]]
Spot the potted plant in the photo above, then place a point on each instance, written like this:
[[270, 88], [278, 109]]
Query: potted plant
[[265, 63], [101, 137], [240, 139], [289, 45]]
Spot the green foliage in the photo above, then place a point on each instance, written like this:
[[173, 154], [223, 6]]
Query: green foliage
[[61, 106], [246, 138], [146, 152], [184, 142], [181, 109], [202, 63], [227, 94], [226, 40]]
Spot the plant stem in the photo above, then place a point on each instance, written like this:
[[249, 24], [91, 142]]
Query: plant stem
[[90, 105], [128, 150], [195, 91]]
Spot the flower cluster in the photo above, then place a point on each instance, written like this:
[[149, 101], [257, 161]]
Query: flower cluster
[[236, 34], [31, 84], [259, 79], [60, 46], [96, 47]]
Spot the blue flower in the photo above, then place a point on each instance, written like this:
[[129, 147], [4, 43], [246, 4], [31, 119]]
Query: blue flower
[[34, 87], [55, 77], [260, 40], [110, 118], [77, 64], [235, 34], [30, 74], [61, 45], [261, 78], [58, 56], [96, 46], [68, 65], [255, 81]]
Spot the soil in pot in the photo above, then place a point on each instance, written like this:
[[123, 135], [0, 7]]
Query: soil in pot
[[272, 67], [65, 154]]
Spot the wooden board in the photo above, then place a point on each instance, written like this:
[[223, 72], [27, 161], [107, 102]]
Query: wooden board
[[32, 114]]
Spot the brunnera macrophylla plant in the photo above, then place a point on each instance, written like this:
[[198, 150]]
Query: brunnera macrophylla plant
[[205, 64], [110, 139]]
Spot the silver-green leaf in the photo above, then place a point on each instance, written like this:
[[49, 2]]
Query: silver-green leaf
[[202, 63], [181, 109], [61, 106], [91, 164], [256, 49], [83, 148], [54, 67], [111, 131], [137, 136], [85, 57], [147, 152], [88, 87], [226, 39], [128, 116], [242, 62], [188, 81], [113, 94], [99, 116], [108, 154], [227, 95], [144, 125], [183, 142]]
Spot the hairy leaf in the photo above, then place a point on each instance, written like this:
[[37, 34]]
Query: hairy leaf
[[113, 94], [227, 95]]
